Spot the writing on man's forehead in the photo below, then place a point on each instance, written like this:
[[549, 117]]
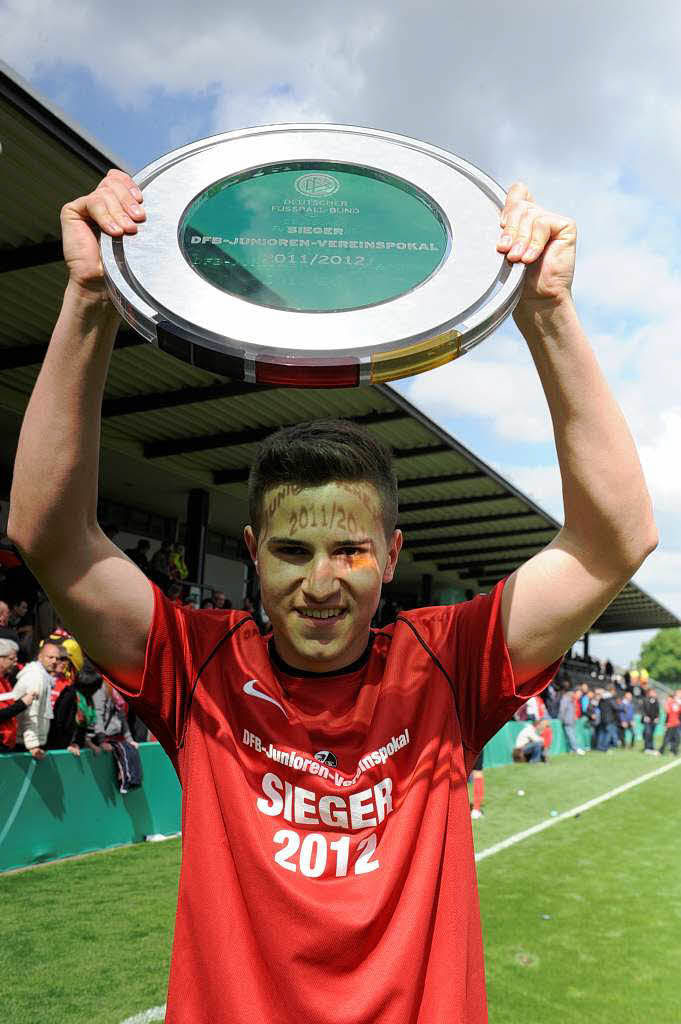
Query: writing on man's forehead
[[366, 494], [331, 516], [274, 501]]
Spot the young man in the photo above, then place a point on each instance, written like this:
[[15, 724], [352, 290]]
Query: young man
[[328, 869]]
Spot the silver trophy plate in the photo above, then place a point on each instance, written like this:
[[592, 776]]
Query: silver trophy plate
[[314, 255]]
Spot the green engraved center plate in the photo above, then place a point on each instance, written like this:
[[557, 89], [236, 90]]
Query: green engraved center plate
[[314, 238]]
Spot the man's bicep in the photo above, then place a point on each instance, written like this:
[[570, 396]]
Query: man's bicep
[[550, 602], [104, 600]]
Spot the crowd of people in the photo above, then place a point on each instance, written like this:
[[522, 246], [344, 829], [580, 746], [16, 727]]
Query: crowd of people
[[608, 711], [53, 698]]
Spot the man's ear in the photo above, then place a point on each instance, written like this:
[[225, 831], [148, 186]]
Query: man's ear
[[394, 549], [251, 542]]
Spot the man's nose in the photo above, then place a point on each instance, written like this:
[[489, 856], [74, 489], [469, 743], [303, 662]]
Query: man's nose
[[321, 582]]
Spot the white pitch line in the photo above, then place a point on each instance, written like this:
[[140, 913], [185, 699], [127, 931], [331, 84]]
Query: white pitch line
[[519, 836], [146, 1016]]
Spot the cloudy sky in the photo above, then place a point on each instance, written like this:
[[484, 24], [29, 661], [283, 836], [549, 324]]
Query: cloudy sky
[[581, 100]]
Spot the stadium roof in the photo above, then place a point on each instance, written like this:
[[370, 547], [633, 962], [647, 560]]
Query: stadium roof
[[169, 427]]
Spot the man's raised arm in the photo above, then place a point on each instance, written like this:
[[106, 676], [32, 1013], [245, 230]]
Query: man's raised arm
[[551, 600], [100, 594]]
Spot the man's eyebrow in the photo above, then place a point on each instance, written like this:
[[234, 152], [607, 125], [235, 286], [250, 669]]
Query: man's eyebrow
[[285, 540]]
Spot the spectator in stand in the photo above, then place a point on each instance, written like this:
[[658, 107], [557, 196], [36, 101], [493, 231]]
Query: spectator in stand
[[111, 718], [10, 705], [6, 631], [140, 555], [672, 730], [592, 715], [74, 716], [69, 665], [536, 709], [644, 678], [33, 724], [566, 714], [175, 594], [113, 733], [220, 601], [625, 711], [650, 715], [606, 733], [207, 604], [609, 669], [18, 620], [160, 565], [178, 566], [551, 697], [528, 745]]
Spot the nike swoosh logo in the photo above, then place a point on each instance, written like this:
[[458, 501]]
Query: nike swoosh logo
[[250, 689]]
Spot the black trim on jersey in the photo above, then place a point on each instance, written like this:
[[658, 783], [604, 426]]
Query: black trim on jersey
[[227, 635], [426, 648], [289, 670], [435, 658]]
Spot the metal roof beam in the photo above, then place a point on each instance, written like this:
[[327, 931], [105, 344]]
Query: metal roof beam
[[430, 542], [19, 356], [437, 524], [22, 257], [151, 401], [237, 476], [413, 506], [467, 566], [427, 449], [206, 442], [442, 478], [432, 556]]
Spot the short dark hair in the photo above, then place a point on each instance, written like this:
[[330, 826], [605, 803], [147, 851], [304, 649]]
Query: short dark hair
[[321, 452]]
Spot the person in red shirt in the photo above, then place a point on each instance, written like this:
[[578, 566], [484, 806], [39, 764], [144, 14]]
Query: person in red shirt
[[9, 706], [672, 732], [328, 871]]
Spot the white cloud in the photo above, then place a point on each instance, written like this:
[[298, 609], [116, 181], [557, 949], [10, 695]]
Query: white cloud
[[504, 391]]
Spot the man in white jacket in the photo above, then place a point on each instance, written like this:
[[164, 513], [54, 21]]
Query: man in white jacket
[[37, 676]]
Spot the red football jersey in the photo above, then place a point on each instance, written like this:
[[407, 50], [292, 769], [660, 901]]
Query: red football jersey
[[673, 710], [327, 869]]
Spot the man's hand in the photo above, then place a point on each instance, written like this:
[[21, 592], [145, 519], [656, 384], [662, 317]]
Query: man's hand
[[545, 242], [105, 746], [73, 749], [114, 208], [38, 753], [28, 698], [133, 743]]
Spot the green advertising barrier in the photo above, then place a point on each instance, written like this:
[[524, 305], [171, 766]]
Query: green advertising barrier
[[68, 805]]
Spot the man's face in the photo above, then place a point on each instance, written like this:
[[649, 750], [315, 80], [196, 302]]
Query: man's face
[[20, 609], [322, 557], [4, 613], [48, 656], [219, 599], [7, 663]]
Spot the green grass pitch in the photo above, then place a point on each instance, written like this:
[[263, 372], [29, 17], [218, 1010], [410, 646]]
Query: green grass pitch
[[581, 922]]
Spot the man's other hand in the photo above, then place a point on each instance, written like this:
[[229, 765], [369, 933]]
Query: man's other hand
[[545, 242], [115, 207]]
